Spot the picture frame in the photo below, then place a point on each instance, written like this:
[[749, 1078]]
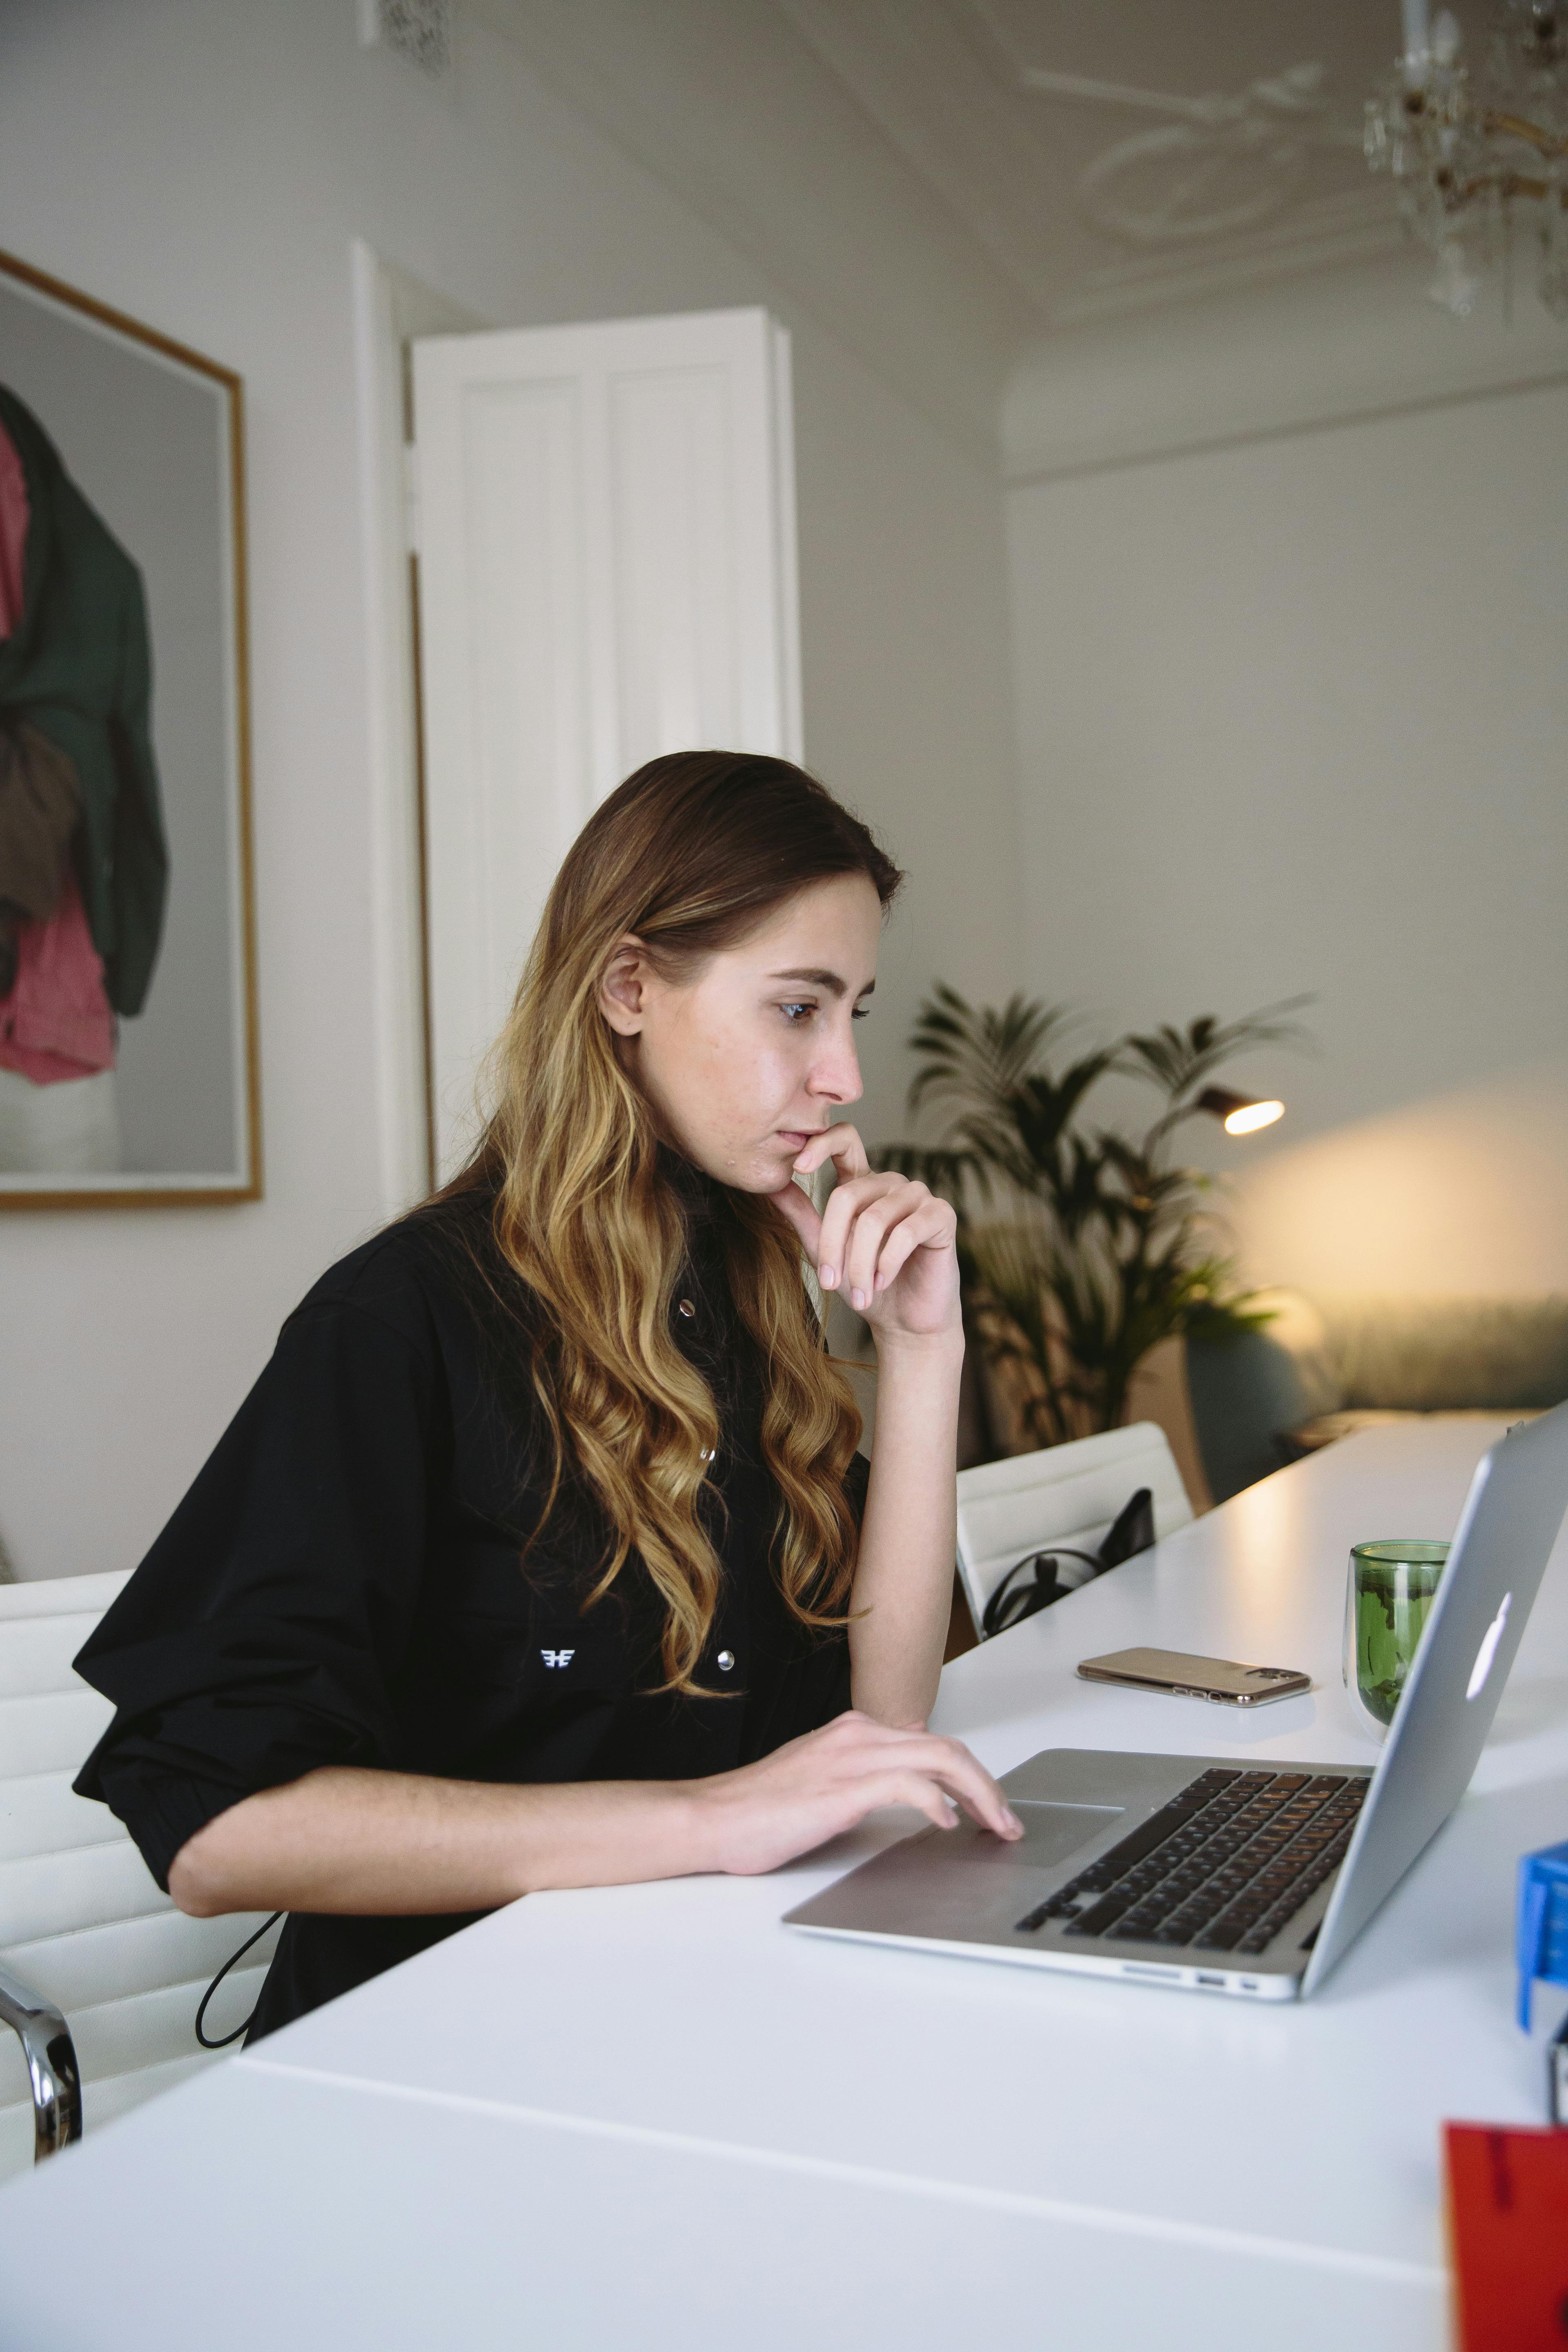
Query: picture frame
[[129, 1062]]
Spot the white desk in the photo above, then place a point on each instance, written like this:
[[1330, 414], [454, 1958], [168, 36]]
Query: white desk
[[647, 2116]]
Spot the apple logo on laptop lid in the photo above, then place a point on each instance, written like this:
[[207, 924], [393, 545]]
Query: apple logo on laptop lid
[[1487, 1650]]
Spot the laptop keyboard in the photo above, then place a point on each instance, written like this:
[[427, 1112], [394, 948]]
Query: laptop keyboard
[[1223, 1867]]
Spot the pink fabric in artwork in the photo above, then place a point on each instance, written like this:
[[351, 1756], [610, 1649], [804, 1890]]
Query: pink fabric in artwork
[[15, 515], [57, 1022]]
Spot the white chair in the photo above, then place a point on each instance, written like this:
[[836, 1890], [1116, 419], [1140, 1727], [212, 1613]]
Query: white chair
[[91, 1949], [1060, 1495]]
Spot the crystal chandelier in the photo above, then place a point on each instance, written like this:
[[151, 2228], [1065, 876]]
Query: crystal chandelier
[[1475, 159]]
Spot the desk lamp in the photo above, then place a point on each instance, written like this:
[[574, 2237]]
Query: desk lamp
[[1238, 1114]]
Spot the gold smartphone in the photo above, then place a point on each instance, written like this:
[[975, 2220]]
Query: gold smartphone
[[1184, 1676]]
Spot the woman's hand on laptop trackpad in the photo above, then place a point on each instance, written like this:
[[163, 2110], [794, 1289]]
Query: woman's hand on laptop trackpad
[[827, 1781]]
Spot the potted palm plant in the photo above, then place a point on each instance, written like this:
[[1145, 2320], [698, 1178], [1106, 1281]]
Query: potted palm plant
[[1081, 1247]]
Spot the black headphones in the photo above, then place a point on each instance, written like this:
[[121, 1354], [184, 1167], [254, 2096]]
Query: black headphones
[[1131, 1532]]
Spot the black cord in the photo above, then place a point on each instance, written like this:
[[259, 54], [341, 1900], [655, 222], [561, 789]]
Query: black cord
[[1010, 1603], [1131, 1532], [228, 1964]]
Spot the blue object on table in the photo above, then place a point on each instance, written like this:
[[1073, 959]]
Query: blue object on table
[[1542, 1944]]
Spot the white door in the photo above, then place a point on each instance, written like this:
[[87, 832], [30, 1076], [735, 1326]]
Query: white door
[[605, 521]]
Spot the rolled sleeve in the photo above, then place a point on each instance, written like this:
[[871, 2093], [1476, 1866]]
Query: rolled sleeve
[[260, 1637]]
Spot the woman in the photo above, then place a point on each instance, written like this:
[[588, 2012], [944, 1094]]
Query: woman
[[540, 1554]]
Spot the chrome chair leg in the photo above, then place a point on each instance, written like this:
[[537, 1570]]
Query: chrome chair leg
[[52, 2069]]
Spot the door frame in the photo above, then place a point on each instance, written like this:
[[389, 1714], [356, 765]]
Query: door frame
[[390, 307]]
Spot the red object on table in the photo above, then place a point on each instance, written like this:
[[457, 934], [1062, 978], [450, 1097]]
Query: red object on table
[[1507, 2236]]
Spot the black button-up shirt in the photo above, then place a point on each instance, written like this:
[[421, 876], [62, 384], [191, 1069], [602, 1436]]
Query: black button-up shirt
[[343, 1584]]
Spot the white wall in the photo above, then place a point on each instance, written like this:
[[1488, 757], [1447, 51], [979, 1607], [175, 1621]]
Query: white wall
[[1293, 712], [204, 166]]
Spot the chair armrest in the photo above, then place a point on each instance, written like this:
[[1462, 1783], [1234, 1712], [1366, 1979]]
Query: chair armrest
[[52, 2069]]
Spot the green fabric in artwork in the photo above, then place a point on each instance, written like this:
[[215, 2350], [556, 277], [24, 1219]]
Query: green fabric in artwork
[[77, 668]]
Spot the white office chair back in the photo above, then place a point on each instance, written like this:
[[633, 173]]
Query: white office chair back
[[1060, 1495], [81, 1920]]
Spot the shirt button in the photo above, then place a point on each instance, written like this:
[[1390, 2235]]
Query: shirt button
[[725, 1660], [686, 1308]]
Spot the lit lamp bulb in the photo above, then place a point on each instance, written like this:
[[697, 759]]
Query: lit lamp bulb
[[1238, 1114]]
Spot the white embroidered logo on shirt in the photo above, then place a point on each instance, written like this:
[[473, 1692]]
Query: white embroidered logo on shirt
[[558, 1657]]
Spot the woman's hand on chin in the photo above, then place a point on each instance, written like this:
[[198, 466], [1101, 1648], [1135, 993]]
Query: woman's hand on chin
[[886, 1242], [818, 1786]]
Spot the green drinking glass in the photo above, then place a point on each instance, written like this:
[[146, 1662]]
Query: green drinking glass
[[1388, 1599]]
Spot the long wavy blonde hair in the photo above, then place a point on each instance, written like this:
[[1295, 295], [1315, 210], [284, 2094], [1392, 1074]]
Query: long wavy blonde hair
[[691, 854]]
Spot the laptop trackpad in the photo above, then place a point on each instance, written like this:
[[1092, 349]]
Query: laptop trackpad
[[1051, 1833], [965, 1885]]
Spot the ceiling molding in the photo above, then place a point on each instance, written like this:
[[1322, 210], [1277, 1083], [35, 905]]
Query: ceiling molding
[[936, 80], [1256, 363], [1324, 233]]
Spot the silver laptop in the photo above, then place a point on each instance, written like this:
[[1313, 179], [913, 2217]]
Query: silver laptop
[[1207, 1873]]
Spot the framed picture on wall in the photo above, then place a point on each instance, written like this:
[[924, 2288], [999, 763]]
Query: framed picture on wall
[[128, 1054]]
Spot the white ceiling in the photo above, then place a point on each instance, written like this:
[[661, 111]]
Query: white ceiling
[[890, 169], [1078, 229]]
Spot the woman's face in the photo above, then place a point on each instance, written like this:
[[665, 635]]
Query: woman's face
[[755, 1051]]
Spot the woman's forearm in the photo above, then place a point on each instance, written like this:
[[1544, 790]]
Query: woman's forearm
[[387, 1844], [903, 1584], [344, 1840]]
